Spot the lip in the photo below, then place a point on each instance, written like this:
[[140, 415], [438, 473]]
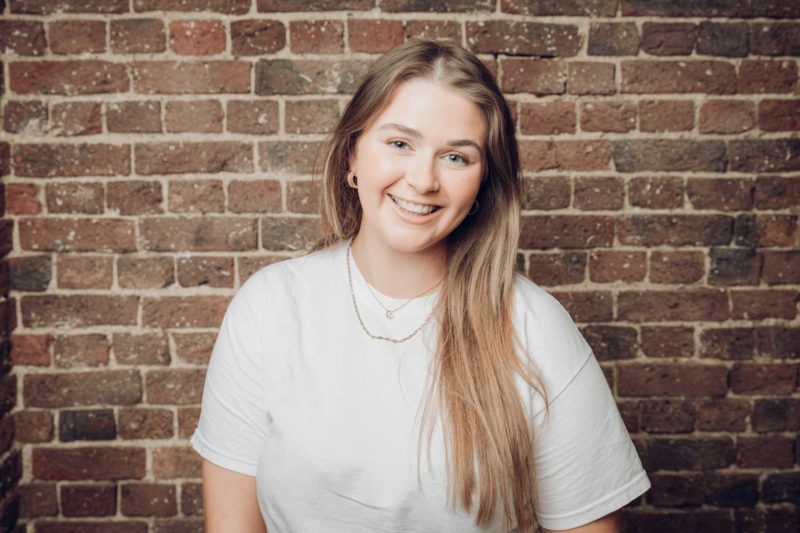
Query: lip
[[413, 219]]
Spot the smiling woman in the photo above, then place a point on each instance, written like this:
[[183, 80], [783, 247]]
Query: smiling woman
[[406, 321]]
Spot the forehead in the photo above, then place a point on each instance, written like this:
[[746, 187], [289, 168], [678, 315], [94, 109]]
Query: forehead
[[433, 109]]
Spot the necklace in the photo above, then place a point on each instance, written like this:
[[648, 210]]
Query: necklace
[[358, 313], [390, 312]]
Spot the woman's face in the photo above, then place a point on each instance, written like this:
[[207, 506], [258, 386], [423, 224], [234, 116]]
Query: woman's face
[[419, 165]]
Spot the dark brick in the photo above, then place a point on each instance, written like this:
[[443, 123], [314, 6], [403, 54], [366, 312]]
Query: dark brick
[[523, 38], [775, 39], [781, 487], [669, 155], [764, 155], [613, 39], [94, 424], [89, 500], [668, 39], [689, 453], [731, 490], [590, 8], [684, 8], [729, 40]]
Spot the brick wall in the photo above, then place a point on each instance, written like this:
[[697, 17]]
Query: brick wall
[[155, 153]]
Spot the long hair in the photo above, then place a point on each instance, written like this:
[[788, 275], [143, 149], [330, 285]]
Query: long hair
[[477, 358]]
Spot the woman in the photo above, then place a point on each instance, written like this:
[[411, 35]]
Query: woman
[[408, 319]]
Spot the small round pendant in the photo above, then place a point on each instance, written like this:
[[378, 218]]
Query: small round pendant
[[389, 314]]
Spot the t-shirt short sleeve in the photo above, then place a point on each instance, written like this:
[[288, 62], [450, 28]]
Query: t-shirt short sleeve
[[586, 463], [231, 428]]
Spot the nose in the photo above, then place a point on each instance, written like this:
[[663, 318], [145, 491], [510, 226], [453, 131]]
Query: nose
[[422, 175]]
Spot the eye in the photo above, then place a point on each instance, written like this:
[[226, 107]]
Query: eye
[[394, 143], [464, 160]]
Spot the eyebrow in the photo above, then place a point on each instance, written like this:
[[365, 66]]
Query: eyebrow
[[414, 133]]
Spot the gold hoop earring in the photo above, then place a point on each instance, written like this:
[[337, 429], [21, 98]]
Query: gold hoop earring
[[474, 209], [352, 180]]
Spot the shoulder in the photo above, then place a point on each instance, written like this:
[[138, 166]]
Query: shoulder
[[549, 335]]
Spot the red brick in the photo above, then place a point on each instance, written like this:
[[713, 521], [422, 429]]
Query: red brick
[[722, 415], [137, 36], [669, 155], [47, 7], [548, 118], [598, 193], [187, 157], [187, 421], [758, 304], [674, 230], [688, 379], [228, 7], [774, 230], [26, 117], [182, 234], [781, 267], [260, 196], [196, 348], [560, 268], [288, 156], [89, 349], [136, 423], [727, 116], [196, 37], [289, 234], [77, 198], [77, 234], [145, 272], [37, 499], [768, 451], [676, 267], [664, 305], [777, 342], [184, 312], [724, 194], [659, 192], [176, 462], [31, 350], [76, 118], [69, 160], [764, 155], [779, 115], [610, 266], [68, 77], [33, 426], [374, 36], [596, 8], [666, 115], [22, 199], [114, 387], [268, 6], [566, 231], [545, 193], [148, 499], [206, 271], [668, 39], [141, 349], [88, 462], [587, 306], [192, 499], [89, 500], [134, 117], [256, 37], [88, 526], [613, 39], [84, 272], [77, 36], [134, 197], [175, 386], [196, 196], [446, 30], [316, 36], [763, 380], [537, 76], [303, 196], [523, 38], [260, 117], [667, 341], [191, 77], [767, 76], [22, 37], [654, 77], [608, 116], [308, 76], [777, 38], [198, 116], [591, 78]]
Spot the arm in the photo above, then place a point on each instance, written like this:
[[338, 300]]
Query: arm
[[229, 501], [611, 523]]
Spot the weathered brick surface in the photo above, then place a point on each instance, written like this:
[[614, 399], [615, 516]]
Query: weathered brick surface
[[157, 153]]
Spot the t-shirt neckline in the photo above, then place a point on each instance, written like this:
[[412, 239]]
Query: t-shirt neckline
[[417, 307]]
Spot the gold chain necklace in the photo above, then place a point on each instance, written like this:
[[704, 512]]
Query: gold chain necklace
[[358, 313]]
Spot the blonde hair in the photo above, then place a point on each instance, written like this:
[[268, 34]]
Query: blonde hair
[[476, 359]]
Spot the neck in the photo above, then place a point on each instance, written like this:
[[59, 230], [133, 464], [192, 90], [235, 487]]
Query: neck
[[396, 273]]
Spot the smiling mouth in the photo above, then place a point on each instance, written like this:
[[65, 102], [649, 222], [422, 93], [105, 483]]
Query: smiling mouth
[[416, 209]]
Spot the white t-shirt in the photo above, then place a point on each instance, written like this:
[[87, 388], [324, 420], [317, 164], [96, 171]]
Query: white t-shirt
[[326, 418]]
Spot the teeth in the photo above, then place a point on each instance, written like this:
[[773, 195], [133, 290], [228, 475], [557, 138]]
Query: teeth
[[414, 208]]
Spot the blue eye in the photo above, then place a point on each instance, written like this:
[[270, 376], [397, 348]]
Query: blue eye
[[463, 159]]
